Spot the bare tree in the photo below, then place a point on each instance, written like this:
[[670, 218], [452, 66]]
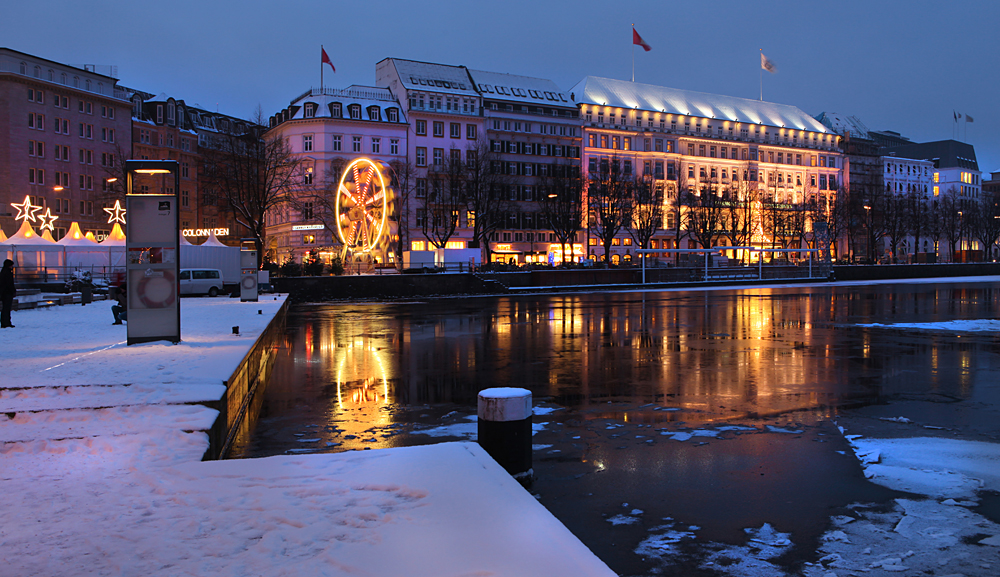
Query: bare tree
[[917, 217], [444, 201], [951, 220], [646, 211], [561, 204], [487, 194], [988, 227], [892, 209], [705, 215], [253, 171], [738, 217], [404, 176], [608, 194]]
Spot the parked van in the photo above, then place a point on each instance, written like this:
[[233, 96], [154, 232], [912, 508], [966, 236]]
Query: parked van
[[201, 281]]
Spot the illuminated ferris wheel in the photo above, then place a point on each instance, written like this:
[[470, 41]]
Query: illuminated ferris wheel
[[363, 206]]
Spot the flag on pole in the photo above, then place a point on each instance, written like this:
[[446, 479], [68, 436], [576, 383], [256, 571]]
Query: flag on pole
[[766, 64], [326, 59], [968, 118], [636, 39], [956, 115]]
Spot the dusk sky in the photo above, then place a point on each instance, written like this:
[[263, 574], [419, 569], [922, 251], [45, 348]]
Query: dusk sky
[[897, 65]]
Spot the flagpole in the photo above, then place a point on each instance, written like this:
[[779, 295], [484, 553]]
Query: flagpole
[[321, 70], [761, 76], [633, 52]]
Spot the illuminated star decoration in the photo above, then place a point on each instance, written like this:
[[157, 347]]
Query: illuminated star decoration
[[26, 211], [46, 220], [116, 213]]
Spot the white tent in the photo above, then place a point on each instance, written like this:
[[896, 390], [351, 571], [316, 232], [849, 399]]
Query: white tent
[[32, 253], [84, 253]]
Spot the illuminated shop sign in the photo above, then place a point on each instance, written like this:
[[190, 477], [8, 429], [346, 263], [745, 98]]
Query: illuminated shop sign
[[307, 227], [205, 231]]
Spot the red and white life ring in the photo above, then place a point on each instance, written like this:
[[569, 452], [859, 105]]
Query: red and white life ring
[[157, 292]]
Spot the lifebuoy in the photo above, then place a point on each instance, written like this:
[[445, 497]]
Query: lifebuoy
[[157, 292]]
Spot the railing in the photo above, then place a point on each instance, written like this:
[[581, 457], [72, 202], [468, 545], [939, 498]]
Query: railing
[[100, 275]]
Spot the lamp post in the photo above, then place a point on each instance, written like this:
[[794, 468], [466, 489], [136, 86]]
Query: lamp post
[[868, 230]]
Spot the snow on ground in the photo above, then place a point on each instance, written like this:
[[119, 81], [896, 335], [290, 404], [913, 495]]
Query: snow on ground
[[100, 448], [445, 509]]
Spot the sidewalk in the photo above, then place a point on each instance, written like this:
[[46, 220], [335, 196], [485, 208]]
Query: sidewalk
[[100, 467]]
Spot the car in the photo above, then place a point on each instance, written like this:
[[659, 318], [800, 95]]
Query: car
[[201, 281]]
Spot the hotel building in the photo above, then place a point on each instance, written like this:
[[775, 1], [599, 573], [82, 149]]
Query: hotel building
[[694, 143]]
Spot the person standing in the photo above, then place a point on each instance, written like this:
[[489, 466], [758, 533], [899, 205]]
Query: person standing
[[7, 293]]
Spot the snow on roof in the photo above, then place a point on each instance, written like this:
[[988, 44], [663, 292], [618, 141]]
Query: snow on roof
[[355, 94], [843, 124], [624, 94], [500, 86], [442, 78]]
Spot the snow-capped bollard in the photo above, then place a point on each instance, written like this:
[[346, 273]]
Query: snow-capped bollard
[[505, 428]]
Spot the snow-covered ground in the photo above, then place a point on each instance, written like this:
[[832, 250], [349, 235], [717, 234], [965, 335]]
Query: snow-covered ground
[[100, 448]]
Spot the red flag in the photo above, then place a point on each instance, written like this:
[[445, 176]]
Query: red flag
[[636, 39], [326, 59]]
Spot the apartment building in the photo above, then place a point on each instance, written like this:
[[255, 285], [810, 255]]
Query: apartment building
[[65, 124]]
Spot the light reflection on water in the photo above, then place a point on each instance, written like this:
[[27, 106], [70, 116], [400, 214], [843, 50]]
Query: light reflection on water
[[717, 355]]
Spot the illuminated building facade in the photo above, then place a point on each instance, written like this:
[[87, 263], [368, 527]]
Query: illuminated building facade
[[444, 111], [166, 128], [692, 144], [63, 122], [326, 130], [534, 132]]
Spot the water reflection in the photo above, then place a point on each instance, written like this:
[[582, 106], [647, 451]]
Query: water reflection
[[718, 355]]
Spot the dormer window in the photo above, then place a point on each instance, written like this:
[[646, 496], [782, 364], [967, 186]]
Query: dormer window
[[171, 111], [355, 110], [24, 68], [159, 114], [310, 110], [374, 113], [392, 114], [337, 110]]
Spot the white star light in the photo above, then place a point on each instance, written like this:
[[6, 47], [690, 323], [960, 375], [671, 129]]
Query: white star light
[[26, 210], [46, 220], [116, 213]]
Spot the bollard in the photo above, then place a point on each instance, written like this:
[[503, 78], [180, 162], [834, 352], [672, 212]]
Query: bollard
[[505, 429]]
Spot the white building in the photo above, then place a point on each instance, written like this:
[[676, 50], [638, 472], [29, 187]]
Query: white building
[[445, 122], [327, 129], [697, 142]]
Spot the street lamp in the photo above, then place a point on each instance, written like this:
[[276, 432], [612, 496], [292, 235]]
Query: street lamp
[[871, 236]]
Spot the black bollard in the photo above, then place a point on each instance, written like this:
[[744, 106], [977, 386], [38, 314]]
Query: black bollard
[[505, 429]]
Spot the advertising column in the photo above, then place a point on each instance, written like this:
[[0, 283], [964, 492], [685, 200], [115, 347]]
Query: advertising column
[[152, 242]]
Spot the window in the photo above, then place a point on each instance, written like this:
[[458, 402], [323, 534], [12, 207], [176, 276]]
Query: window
[[307, 178], [307, 210], [376, 145], [392, 114], [356, 143], [307, 143], [421, 156], [438, 156], [337, 142], [439, 129], [310, 110], [337, 110], [185, 198], [374, 113], [421, 128], [456, 130], [394, 146], [355, 110], [421, 188], [470, 131]]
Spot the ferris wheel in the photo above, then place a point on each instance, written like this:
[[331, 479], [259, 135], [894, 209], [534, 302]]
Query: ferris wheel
[[363, 206]]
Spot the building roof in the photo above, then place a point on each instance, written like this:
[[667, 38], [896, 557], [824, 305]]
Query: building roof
[[944, 153], [843, 124], [624, 94], [426, 76], [355, 94], [524, 89]]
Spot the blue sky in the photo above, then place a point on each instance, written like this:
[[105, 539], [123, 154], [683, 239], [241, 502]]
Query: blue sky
[[902, 66]]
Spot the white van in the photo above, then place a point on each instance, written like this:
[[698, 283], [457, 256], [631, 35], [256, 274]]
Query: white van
[[201, 281]]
